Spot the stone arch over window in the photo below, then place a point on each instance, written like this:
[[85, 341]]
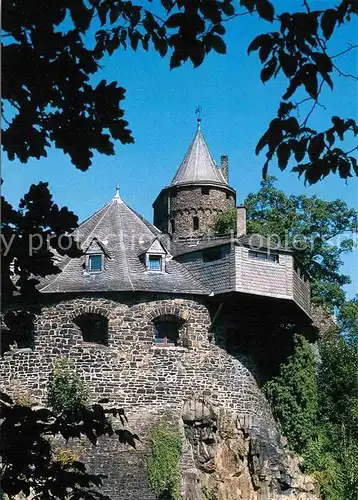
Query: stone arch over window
[[94, 327], [168, 330], [18, 334], [169, 326], [90, 309]]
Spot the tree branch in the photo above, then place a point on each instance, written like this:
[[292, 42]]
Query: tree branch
[[345, 51], [346, 75]]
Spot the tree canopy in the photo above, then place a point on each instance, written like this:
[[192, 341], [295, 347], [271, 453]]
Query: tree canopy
[[319, 231], [52, 50]]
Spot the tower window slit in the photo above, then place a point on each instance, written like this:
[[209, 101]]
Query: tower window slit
[[195, 223]]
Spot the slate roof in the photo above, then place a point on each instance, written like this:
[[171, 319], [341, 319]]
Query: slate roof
[[198, 165], [124, 236], [254, 241]]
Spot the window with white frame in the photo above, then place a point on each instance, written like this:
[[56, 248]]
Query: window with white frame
[[155, 263], [95, 262]]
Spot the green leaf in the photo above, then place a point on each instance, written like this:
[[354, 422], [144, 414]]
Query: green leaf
[[283, 155], [330, 137], [268, 70], [328, 79], [265, 10], [228, 8], [175, 20], [328, 21], [323, 61], [219, 29], [316, 147], [218, 44], [288, 63], [311, 84], [197, 54], [265, 50], [300, 151], [258, 42]]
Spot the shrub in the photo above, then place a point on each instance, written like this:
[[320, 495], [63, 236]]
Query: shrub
[[67, 391], [163, 463], [66, 456], [226, 222], [293, 395]]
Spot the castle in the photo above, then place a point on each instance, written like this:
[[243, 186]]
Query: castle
[[170, 317]]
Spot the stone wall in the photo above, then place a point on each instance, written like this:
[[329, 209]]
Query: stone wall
[[137, 375], [182, 203], [131, 369]]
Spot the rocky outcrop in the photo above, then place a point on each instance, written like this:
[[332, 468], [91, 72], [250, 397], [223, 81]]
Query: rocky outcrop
[[226, 457]]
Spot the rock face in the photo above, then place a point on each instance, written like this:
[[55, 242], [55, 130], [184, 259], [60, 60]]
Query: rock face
[[229, 458]]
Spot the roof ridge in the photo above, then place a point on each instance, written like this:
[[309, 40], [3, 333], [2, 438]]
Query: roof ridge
[[69, 258], [121, 240]]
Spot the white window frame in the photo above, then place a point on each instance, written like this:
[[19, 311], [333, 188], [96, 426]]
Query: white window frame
[[161, 259], [88, 263]]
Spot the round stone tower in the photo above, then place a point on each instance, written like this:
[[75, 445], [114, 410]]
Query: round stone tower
[[198, 192]]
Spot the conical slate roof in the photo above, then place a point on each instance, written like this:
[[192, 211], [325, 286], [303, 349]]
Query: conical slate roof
[[198, 164], [123, 237]]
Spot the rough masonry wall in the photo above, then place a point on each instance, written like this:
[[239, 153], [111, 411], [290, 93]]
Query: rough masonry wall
[[131, 370], [189, 202], [133, 373], [146, 380]]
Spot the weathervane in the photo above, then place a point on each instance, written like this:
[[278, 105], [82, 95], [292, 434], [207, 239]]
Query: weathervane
[[117, 191], [198, 115]]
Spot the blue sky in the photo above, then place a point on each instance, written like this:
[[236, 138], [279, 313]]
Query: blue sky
[[160, 105]]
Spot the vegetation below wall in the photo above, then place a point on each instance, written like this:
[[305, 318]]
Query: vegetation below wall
[[163, 463], [318, 412]]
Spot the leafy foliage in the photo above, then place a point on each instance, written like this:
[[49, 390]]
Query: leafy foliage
[[293, 395], [67, 391], [30, 238], [28, 461], [348, 320], [320, 231], [226, 222], [163, 463], [317, 407], [298, 50], [322, 463], [66, 42]]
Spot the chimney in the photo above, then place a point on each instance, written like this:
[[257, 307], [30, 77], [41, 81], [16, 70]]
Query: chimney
[[225, 167], [241, 221]]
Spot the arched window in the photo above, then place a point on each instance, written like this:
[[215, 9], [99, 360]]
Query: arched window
[[19, 334], [167, 330], [195, 223], [94, 328]]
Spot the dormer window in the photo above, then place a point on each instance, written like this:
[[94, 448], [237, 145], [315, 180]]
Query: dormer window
[[155, 263], [95, 262], [155, 257]]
